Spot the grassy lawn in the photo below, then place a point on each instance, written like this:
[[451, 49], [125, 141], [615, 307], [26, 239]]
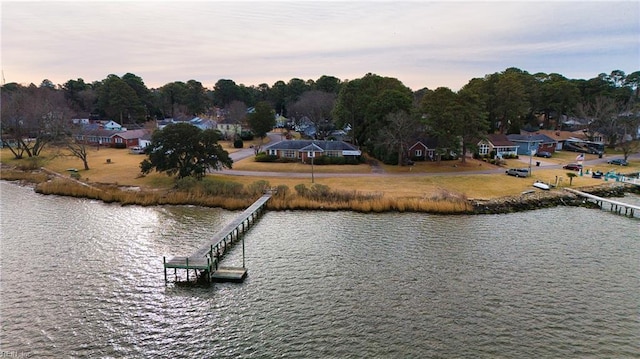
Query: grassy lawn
[[120, 167]]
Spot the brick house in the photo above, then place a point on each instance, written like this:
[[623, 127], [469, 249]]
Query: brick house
[[304, 149]]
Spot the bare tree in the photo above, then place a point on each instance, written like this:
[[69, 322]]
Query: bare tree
[[602, 114], [237, 111], [80, 150], [397, 134], [316, 106], [34, 117]]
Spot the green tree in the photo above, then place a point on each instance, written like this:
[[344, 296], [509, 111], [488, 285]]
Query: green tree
[[196, 97], [143, 93], [225, 92], [442, 109], [472, 121], [363, 104], [173, 96], [560, 96], [511, 102], [185, 150], [118, 101], [261, 121], [328, 84]]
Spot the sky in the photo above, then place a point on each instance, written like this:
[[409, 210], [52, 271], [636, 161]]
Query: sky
[[421, 43]]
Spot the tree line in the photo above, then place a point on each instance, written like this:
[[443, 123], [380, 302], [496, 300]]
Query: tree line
[[383, 115]]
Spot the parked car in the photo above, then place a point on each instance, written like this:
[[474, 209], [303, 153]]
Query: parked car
[[573, 167], [544, 154], [618, 161], [137, 150], [518, 172]]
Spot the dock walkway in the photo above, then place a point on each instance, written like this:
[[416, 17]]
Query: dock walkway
[[206, 259], [616, 206]]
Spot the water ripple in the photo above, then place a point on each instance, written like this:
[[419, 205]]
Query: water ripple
[[560, 282]]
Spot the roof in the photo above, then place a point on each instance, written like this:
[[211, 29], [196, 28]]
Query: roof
[[531, 138], [99, 132], [558, 136], [130, 134], [302, 145], [428, 142], [498, 139], [312, 147]]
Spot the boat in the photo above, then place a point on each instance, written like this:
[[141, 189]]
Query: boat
[[541, 185]]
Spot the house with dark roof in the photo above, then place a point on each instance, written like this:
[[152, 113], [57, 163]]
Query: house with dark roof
[[537, 142], [498, 143], [305, 149], [96, 136], [110, 138], [129, 138], [423, 149]]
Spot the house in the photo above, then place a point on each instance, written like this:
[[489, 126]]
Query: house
[[110, 125], [563, 137], [304, 149], [499, 144], [129, 138], [423, 149], [145, 140], [228, 127], [533, 142], [96, 136], [110, 138]]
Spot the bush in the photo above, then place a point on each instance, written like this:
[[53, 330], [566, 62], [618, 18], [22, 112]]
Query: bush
[[217, 187], [238, 143], [263, 157], [246, 135], [31, 163], [301, 190], [258, 187], [282, 191]]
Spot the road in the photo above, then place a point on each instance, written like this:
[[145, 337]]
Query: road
[[275, 137]]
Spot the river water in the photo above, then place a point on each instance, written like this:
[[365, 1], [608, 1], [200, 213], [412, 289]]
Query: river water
[[80, 278]]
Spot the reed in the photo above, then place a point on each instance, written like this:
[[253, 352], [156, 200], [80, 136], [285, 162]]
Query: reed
[[216, 192], [25, 176]]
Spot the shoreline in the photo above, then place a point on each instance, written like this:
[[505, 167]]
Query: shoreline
[[537, 200], [498, 205]]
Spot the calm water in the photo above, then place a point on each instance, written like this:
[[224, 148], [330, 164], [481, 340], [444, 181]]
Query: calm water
[[83, 279]]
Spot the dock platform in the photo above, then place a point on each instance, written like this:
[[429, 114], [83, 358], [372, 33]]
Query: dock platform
[[205, 261]]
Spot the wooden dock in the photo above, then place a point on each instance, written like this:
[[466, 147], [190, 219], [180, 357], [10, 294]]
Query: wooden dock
[[615, 206], [205, 261]]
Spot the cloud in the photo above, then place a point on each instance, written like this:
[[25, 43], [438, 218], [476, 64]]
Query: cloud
[[422, 43]]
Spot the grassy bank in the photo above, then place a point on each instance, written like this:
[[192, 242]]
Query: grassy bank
[[445, 187]]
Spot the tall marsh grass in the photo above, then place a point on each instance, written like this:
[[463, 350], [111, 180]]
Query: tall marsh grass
[[234, 196], [25, 176]]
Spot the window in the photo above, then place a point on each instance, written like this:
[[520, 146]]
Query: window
[[417, 153], [483, 149], [289, 154]]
